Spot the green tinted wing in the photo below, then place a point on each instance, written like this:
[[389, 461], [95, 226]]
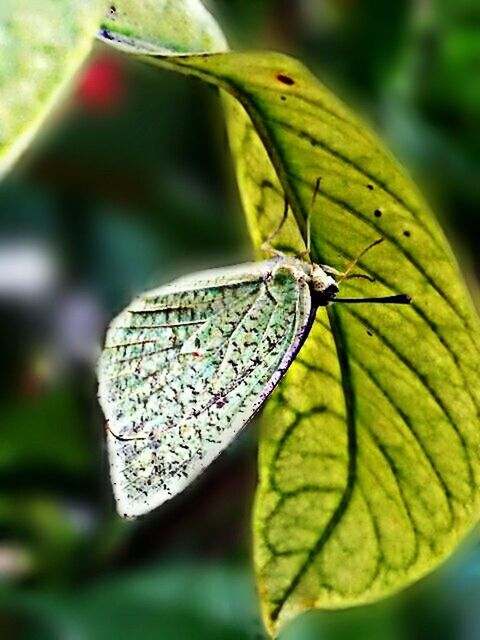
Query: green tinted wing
[[186, 367]]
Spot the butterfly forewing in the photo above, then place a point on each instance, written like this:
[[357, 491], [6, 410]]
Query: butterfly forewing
[[186, 366]]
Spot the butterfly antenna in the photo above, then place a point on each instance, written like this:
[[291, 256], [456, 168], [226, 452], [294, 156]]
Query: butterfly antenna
[[399, 299]]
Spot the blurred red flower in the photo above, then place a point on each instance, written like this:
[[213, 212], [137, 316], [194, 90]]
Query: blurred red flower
[[100, 88]]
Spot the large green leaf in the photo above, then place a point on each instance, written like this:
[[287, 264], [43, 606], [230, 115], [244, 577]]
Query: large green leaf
[[369, 449], [42, 44], [369, 452]]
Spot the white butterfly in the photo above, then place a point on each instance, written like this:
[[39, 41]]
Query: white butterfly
[[185, 367]]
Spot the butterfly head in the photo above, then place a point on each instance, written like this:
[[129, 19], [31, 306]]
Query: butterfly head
[[324, 285]]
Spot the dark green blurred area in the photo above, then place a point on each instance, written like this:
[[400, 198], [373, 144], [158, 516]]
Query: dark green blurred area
[[133, 185]]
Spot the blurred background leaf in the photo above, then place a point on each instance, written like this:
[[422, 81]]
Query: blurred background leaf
[[42, 44], [148, 604]]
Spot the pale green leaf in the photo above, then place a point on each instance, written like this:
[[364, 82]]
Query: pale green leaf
[[161, 26], [369, 452], [42, 44]]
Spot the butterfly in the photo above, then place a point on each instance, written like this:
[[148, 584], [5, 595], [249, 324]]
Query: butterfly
[[186, 366]]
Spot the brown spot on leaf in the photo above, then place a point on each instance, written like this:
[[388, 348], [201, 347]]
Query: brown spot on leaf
[[285, 79]]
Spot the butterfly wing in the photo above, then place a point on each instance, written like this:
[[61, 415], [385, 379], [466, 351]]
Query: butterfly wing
[[186, 366]]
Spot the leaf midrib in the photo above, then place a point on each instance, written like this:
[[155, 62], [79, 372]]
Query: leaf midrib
[[350, 403]]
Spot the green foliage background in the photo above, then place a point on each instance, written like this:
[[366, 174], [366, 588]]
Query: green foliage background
[[125, 192]]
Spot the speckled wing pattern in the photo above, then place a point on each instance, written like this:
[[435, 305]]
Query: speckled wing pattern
[[186, 366]]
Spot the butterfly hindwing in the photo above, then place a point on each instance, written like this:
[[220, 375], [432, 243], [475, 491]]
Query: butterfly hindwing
[[186, 366]]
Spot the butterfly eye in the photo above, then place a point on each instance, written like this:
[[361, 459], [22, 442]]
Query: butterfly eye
[[331, 291]]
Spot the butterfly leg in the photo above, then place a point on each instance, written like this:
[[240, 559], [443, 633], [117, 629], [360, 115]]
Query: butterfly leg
[[267, 244], [308, 241], [343, 275], [347, 274], [396, 299], [267, 247]]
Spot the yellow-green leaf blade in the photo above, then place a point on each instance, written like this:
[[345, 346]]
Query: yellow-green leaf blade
[[42, 44], [369, 453], [161, 26]]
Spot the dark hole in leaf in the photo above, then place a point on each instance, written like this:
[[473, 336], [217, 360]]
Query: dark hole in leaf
[[370, 186], [407, 234], [378, 213]]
